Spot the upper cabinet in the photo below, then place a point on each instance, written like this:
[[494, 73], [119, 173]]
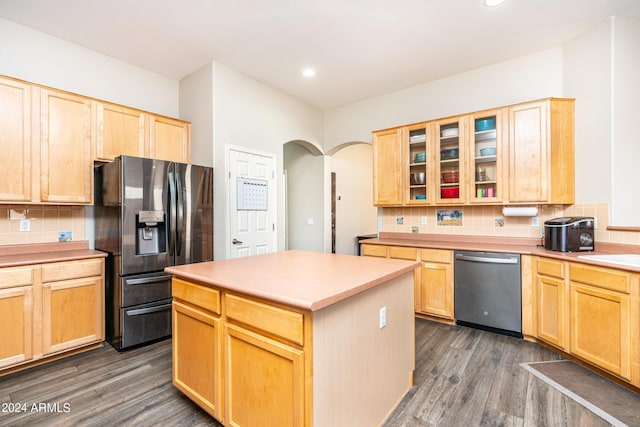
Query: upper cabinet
[[15, 140], [127, 131], [541, 146], [500, 156], [50, 139], [119, 130], [169, 139], [388, 171], [66, 165]]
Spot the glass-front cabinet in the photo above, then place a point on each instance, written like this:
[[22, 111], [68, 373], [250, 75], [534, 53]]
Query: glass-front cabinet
[[450, 136], [419, 166], [485, 171]]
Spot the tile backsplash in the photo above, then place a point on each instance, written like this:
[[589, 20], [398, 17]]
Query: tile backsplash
[[489, 221], [45, 223]]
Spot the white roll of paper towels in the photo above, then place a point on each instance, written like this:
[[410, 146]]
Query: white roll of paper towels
[[520, 211]]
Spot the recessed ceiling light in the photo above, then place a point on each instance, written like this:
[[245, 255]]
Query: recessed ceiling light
[[308, 72], [491, 3]]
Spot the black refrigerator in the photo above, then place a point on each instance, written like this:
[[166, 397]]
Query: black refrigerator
[[148, 214]]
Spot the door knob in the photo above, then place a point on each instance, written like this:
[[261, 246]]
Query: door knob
[[236, 242]]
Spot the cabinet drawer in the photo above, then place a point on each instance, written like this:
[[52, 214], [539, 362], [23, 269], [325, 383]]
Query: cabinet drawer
[[198, 295], [57, 271], [12, 277], [550, 267], [374, 250], [400, 252], [279, 322], [436, 255], [616, 280]]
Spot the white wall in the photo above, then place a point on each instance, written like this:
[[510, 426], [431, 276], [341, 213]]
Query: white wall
[[305, 198], [521, 79], [587, 75], [355, 213], [626, 109], [39, 58], [250, 114], [196, 106]]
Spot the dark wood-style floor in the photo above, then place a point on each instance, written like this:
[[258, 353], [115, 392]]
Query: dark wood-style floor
[[463, 377]]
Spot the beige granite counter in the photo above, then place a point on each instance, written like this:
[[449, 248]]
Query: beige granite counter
[[41, 253], [520, 245], [306, 280]]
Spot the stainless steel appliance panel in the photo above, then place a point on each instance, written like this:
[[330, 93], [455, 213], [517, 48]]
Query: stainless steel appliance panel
[[144, 190], [194, 210], [487, 290], [145, 323], [145, 288]]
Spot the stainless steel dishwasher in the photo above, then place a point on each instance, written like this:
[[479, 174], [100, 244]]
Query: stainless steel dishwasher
[[488, 291]]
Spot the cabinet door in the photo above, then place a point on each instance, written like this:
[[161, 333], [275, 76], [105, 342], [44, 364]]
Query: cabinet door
[[388, 183], [486, 154], [73, 313], [419, 164], [66, 163], [255, 364], [528, 153], [600, 330], [16, 325], [15, 140], [197, 363], [451, 155], [120, 131], [169, 139], [436, 289], [552, 311]]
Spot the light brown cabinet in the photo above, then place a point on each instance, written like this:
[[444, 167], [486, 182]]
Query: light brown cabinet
[[46, 139], [15, 140], [552, 302], [120, 130], [505, 155], [72, 304], [433, 281], [541, 152], [169, 139], [601, 317], [436, 283], [16, 315], [197, 345], [49, 309], [66, 166], [127, 131], [263, 350], [388, 171]]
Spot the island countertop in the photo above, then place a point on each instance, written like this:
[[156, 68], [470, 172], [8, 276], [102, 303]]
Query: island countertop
[[301, 279]]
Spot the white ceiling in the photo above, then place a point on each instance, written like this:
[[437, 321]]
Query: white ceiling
[[360, 48]]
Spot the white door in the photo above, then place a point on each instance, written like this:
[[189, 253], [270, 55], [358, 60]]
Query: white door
[[252, 203]]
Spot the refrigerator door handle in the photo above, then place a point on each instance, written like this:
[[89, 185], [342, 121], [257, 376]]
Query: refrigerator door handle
[[180, 218], [172, 214]]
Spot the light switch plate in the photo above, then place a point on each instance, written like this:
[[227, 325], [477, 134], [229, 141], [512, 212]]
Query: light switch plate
[[25, 225]]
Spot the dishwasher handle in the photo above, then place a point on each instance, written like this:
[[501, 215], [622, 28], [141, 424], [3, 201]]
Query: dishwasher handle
[[487, 260]]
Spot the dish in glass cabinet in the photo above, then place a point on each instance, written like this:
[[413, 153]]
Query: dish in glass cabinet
[[447, 133]]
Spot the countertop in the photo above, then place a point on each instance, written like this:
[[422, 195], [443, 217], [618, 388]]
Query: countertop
[[300, 279], [41, 253], [519, 245]]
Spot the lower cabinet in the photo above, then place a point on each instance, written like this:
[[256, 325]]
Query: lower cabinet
[[227, 350], [16, 315], [51, 308], [601, 318], [433, 281], [255, 363], [588, 311], [552, 302], [436, 283]]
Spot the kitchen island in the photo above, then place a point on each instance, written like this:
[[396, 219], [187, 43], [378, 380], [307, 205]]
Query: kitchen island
[[294, 338]]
